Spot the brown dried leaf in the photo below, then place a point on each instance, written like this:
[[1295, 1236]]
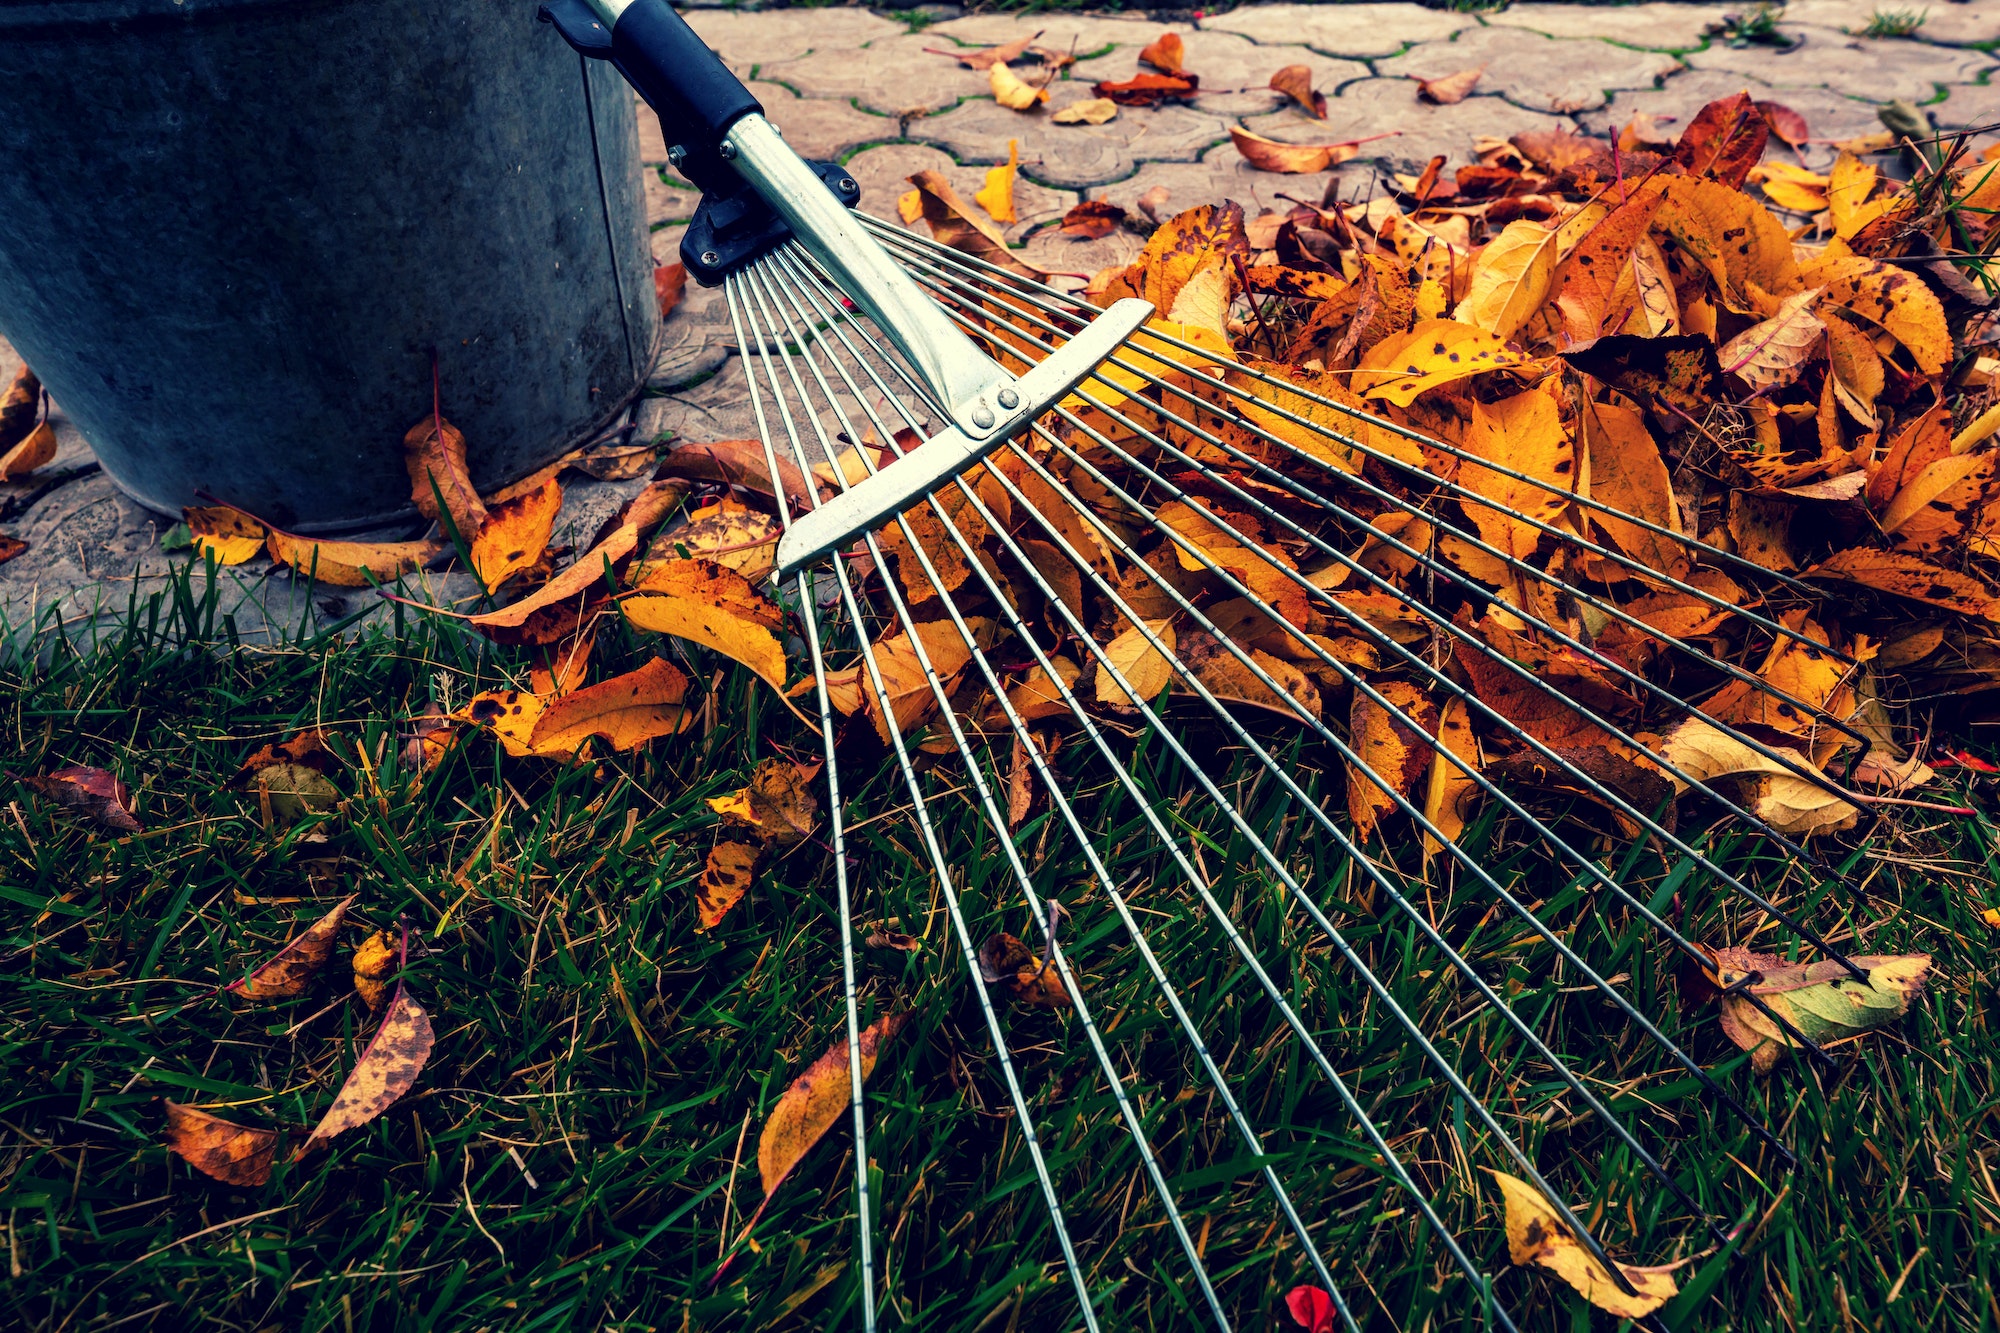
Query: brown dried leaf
[[1290, 158], [19, 407], [778, 804], [233, 1154], [1448, 89], [1392, 755], [376, 962], [955, 225], [1788, 125], [91, 793], [1007, 963], [988, 56], [288, 971], [434, 454], [1150, 89], [1296, 82], [1093, 218], [1724, 140]]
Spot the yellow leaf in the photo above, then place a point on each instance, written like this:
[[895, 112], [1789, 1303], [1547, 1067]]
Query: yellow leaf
[[1746, 251], [515, 534], [376, 961], [728, 532], [1511, 278], [1391, 754], [1010, 91], [230, 535], [625, 711], [1037, 697], [1095, 111], [1913, 577], [1935, 484], [1847, 189], [1450, 789], [1525, 433], [1536, 1234], [911, 698], [1787, 802], [1892, 298], [1792, 187], [702, 602], [778, 804], [1139, 662], [1272, 407], [1857, 371], [32, 452], [1185, 245], [997, 195], [349, 564], [1436, 351], [817, 1100], [511, 716], [910, 205]]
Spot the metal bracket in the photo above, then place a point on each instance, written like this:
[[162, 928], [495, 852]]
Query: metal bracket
[[728, 232]]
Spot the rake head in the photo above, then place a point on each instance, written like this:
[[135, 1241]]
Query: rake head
[[1174, 572]]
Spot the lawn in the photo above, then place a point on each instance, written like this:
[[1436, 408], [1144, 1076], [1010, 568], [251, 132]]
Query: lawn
[[581, 1150]]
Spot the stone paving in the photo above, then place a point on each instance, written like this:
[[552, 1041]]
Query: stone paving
[[879, 91]]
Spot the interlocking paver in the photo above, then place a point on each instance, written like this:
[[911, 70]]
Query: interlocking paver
[[745, 39], [1536, 72], [1072, 156], [893, 75], [1361, 31], [884, 175], [1968, 106], [1945, 21], [1235, 71], [667, 202], [1660, 25], [1084, 34], [1380, 106], [821, 127], [1875, 70]]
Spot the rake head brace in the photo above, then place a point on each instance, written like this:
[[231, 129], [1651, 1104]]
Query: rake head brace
[[720, 140]]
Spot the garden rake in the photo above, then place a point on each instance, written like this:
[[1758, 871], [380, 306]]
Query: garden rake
[[1007, 448]]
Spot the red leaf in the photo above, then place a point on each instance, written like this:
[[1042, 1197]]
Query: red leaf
[[1312, 1309], [1786, 123], [668, 282], [91, 792], [1724, 140]]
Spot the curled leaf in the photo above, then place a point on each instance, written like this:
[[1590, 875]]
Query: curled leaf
[[288, 971], [1149, 89], [434, 454], [1296, 82], [349, 564], [376, 962], [19, 407], [1093, 218], [669, 281], [777, 804], [1011, 966], [91, 793], [1092, 111], [997, 195], [1822, 1000], [1536, 1234], [1290, 158], [1448, 89], [231, 1153], [1013, 92]]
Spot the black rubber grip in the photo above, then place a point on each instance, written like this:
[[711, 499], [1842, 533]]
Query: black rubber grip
[[698, 99]]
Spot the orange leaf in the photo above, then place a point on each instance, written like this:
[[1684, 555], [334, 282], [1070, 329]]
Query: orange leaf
[[1447, 89], [434, 454], [32, 452], [778, 804], [989, 56], [286, 972], [11, 547], [232, 1154], [702, 602], [724, 880], [1724, 140], [626, 711], [669, 281], [19, 407], [815, 1101], [955, 225], [560, 666], [1165, 53], [1290, 158], [1296, 82], [1388, 748], [1912, 577], [515, 535], [387, 1069]]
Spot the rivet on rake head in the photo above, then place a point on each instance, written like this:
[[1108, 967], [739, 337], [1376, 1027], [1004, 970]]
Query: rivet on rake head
[[709, 259], [1009, 399], [982, 416]]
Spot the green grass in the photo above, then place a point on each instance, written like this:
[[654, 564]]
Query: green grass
[[643, 1150], [1895, 22]]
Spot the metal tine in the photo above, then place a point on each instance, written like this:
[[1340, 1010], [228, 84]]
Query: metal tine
[[762, 274], [939, 863], [1047, 298], [1459, 964], [1458, 634], [837, 823], [978, 301], [1687, 947], [1102, 873]]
